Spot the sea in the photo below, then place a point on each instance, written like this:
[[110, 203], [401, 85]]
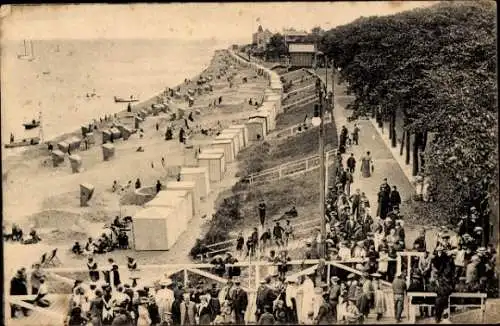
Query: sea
[[72, 82]]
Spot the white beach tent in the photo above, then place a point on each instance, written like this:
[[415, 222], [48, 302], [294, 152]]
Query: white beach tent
[[270, 106], [233, 136], [198, 175], [156, 228], [215, 164], [244, 132], [181, 200], [187, 186], [227, 145], [256, 127], [238, 133], [265, 116], [218, 151]]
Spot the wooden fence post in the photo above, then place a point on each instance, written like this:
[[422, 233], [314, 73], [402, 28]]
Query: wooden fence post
[[186, 278]]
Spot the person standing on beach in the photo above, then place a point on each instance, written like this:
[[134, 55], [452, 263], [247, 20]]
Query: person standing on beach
[[137, 183], [157, 126]]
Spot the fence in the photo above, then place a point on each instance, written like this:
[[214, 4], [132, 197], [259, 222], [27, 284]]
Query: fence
[[290, 169], [305, 100], [412, 307], [297, 129]]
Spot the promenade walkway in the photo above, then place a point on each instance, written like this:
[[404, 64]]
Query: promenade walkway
[[385, 166]]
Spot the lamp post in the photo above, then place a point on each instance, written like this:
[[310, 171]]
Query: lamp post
[[322, 195]]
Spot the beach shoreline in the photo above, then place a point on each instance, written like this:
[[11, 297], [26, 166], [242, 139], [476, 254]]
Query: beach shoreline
[[12, 156], [52, 193]]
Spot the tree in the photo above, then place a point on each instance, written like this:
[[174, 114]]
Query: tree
[[437, 66], [276, 47]]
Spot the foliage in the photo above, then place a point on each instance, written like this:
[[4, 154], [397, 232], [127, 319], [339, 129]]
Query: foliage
[[276, 47], [438, 66]]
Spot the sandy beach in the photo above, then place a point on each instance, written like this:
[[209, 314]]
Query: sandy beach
[[46, 197]]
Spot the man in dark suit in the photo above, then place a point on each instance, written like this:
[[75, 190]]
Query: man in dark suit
[[351, 163], [240, 303], [265, 296], [356, 200], [394, 198]]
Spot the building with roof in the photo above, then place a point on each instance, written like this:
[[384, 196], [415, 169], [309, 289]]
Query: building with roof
[[294, 36], [261, 37], [302, 55]]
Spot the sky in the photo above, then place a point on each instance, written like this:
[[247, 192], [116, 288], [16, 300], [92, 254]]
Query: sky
[[224, 21]]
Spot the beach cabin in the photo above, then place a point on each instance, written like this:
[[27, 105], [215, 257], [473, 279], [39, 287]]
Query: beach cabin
[[74, 143], [137, 122], [106, 136], [256, 127], [271, 107], [243, 133], [115, 132], [215, 165], [57, 157], [63, 146], [239, 136], [216, 150], [276, 99], [76, 163], [156, 228], [86, 192], [90, 138], [227, 145], [233, 136], [181, 200], [85, 129], [264, 117], [108, 151], [189, 186], [199, 176]]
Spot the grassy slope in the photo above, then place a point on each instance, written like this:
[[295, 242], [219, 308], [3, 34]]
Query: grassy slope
[[301, 191]]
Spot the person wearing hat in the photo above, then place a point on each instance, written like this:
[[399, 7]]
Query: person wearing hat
[[334, 296], [307, 288], [420, 241], [265, 296], [187, 311], [471, 273], [399, 288], [164, 299], [350, 312], [311, 252], [240, 303], [92, 267], [443, 264], [18, 287], [379, 302]]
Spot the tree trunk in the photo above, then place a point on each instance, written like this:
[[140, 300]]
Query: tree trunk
[[408, 145], [416, 146], [393, 128], [403, 139], [424, 140]]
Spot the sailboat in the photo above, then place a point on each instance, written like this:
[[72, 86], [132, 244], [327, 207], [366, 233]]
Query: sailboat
[[29, 53]]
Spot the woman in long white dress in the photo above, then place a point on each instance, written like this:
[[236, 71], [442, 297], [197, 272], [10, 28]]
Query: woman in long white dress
[[379, 297]]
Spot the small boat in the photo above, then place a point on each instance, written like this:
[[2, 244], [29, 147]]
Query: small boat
[[31, 125], [25, 142], [122, 100]]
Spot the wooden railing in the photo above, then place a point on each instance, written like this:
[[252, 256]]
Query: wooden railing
[[305, 100], [290, 169], [412, 307], [296, 129]]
